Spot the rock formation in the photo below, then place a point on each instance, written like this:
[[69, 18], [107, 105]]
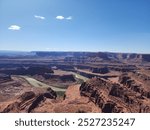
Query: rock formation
[[133, 85], [29, 101], [114, 97], [63, 78], [102, 70]]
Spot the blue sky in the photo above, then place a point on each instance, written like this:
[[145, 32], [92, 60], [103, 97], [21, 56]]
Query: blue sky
[[75, 25]]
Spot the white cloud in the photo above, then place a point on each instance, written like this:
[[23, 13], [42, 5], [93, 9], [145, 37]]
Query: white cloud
[[60, 17], [69, 18], [14, 27], [39, 17]]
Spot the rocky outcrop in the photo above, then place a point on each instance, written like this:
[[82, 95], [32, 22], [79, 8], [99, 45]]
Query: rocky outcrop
[[111, 107], [63, 78], [11, 108], [52, 94], [98, 91], [133, 85], [117, 91], [27, 96], [112, 97], [49, 94], [28, 101], [36, 102], [102, 70], [67, 78]]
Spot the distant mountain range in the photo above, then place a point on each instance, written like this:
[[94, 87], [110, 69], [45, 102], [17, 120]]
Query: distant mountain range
[[16, 53], [107, 56]]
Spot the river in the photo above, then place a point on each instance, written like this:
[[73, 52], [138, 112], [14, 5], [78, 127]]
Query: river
[[36, 83]]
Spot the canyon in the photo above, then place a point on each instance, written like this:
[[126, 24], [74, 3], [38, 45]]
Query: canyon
[[76, 82]]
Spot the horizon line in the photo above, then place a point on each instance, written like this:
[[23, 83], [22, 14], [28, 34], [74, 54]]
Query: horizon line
[[30, 51]]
